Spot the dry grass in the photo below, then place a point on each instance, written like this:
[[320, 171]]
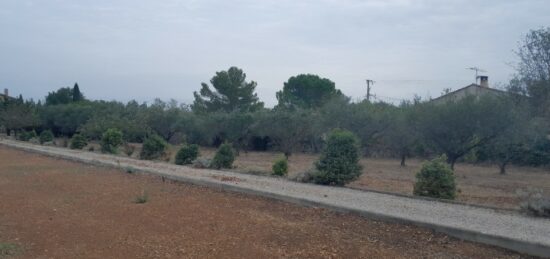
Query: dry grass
[[477, 184]]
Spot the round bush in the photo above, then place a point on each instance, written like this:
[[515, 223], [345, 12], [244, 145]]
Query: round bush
[[224, 157], [187, 154], [339, 162], [46, 136], [436, 180], [111, 139], [27, 135], [280, 167], [78, 142], [154, 147]]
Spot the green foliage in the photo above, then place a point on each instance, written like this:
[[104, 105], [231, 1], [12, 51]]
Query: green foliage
[[61, 96], [65, 95], [142, 198], [231, 93], [27, 135], [46, 136], [436, 180], [401, 137], [339, 161], [66, 119], [78, 141], [187, 154], [77, 95], [280, 167], [154, 147], [202, 163], [111, 140], [132, 129], [307, 91], [289, 130], [224, 157], [368, 121], [9, 250], [17, 115], [456, 127], [533, 72], [236, 128]]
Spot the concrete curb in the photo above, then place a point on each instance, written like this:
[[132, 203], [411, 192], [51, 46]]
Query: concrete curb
[[531, 248]]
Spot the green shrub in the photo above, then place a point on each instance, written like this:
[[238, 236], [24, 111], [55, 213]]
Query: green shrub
[[111, 139], [534, 202], [339, 162], [9, 250], [224, 157], [78, 141], [46, 136], [154, 147], [280, 167], [187, 154], [436, 180], [142, 198], [202, 163], [27, 135]]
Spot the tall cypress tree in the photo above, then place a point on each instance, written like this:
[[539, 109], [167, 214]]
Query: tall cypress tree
[[77, 95]]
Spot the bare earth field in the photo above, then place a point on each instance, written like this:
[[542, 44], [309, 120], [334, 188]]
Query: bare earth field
[[58, 209]]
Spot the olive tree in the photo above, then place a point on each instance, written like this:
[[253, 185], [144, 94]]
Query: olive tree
[[457, 127]]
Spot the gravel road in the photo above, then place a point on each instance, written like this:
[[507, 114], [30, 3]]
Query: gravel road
[[501, 228]]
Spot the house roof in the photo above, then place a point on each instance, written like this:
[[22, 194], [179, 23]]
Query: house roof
[[4, 97], [469, 86]]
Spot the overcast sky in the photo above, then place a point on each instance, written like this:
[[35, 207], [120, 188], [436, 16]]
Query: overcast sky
[[134, 49]]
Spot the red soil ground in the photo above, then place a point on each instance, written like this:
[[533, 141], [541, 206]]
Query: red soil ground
[[58, 209]]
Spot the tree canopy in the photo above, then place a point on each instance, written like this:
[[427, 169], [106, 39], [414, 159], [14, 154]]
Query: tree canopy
[[65, 95], [457, 127], [534, 69], [307, 91], [231, 93]]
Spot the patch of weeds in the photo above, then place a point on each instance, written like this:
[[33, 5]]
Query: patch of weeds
[[9, 249], [142, 198], [130, 170]]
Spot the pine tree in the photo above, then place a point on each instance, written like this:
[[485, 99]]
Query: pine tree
[[231, 93]]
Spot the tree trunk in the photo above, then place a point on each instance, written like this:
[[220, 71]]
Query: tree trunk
[[502, 167], [287, 154], [403, 157], [452, 161]]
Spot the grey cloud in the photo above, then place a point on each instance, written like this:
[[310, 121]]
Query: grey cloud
[[144, 49]]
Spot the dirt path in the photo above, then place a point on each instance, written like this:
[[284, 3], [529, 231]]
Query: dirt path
[[58, 209]]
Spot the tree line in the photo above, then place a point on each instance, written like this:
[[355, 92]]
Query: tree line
[[503, 129]]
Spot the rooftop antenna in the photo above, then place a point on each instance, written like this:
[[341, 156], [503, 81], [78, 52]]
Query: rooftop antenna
[[477, 69]]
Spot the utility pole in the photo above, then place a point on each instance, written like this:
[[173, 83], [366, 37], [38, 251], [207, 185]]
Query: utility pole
[[369, 82]]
